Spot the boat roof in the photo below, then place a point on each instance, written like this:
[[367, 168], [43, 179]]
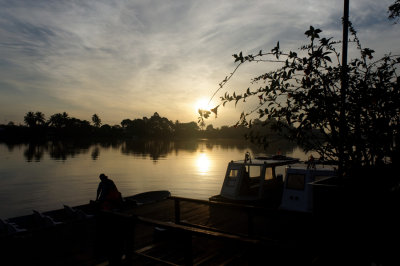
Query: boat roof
[[318, 167], [267, 161]]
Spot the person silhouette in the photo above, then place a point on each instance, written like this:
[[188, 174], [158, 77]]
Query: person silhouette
[[107, 194]]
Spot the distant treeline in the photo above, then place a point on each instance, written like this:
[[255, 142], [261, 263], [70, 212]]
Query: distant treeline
[[61, 125]]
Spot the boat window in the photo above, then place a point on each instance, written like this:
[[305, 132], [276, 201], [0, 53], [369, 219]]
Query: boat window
[[254, 171], [233, 173], [295, 181], [268, 173]]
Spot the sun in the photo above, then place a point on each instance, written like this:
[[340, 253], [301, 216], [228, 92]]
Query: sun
[[202, 104]]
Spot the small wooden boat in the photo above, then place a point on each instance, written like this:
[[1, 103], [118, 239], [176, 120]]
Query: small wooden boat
[[148, 197]]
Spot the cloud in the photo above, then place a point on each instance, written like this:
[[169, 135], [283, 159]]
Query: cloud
[[132, 58]]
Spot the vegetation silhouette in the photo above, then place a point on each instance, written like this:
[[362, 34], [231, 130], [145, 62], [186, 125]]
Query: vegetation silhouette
[[96, 120], [302, 100], [360, 126], [394, 11], [61, 126]]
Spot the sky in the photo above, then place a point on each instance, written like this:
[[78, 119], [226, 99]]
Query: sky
[[129, 58]]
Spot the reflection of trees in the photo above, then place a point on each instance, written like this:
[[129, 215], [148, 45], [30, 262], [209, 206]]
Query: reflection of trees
[[159, 149], [155, 149], [61, 150], [276, 146], [35, 152], [115, 144], [57, 150], [190, 145], [95, 153]]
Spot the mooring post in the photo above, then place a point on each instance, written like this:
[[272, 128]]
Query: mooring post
[[177, 211], [343, 91], [250, 227], [187, 249], [130, 225]]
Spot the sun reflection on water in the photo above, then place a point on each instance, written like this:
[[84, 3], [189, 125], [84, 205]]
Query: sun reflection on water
[[203, 163]]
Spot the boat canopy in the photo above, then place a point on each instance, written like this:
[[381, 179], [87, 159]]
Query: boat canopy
[[249, 179]]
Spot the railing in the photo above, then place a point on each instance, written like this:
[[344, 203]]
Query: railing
[[184, 231], [251, 211], [180, 231]]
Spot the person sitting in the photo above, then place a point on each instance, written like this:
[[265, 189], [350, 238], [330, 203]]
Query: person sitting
[[107, 194]]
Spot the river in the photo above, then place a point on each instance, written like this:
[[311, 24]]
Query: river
[[45, 176]]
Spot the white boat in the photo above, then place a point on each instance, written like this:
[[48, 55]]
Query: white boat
[[298, 189], [258, 182]]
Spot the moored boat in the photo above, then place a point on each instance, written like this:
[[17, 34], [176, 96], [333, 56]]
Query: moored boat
[[257, 182]]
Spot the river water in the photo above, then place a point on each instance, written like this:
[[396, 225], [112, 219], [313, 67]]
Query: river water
[[44, 176]]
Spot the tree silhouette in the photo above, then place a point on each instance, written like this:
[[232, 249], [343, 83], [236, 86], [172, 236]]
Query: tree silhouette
[[30, 119], [59, 120], [96, 120], [61, 125], [158, 126], [126, 123], [394, 10], [304, 97], [39, 118]]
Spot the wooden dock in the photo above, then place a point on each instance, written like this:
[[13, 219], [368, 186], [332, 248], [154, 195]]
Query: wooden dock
[[182, 231], [173, 231]]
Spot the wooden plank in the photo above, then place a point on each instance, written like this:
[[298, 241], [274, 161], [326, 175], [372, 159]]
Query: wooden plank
[[147, 248], [264, 239], [182, 228], [197, 231], [154, 259], [240, 207], [206, 259], [195, 213]]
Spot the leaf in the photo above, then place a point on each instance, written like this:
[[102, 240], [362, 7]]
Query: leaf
[[368, 52], [292, 54], [313, 33], [238, 57], [327, 58], [309, 32], [215, 110]]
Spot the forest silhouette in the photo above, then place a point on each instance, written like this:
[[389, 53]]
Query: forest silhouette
[[62, 126]]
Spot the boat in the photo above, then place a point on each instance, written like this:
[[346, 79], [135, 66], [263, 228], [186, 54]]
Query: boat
[[257, 182], [71, 235]]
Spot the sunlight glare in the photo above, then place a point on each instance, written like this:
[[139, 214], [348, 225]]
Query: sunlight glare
[[202, 104], [203, 163]]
